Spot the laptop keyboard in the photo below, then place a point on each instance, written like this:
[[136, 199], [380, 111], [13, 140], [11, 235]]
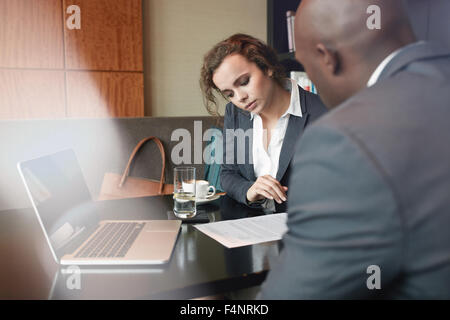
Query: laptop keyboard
[[113, 240]]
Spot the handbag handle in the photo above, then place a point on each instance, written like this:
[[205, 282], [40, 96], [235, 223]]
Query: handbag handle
[[133, 154]]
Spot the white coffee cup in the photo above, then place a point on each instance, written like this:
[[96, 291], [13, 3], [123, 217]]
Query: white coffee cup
[[202, 189]]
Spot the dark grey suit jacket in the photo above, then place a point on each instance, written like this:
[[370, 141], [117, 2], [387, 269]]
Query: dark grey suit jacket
[[370, 185], [238, 176]]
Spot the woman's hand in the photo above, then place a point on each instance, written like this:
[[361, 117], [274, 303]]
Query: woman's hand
[[267, 187]]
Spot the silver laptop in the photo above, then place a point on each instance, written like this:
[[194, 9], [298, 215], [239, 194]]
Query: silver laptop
[[76, 236]]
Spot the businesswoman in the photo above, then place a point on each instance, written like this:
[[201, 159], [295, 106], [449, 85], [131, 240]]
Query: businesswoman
[[246, 72]]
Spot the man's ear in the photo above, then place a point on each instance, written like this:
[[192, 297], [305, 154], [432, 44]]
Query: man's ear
[[328, 58]]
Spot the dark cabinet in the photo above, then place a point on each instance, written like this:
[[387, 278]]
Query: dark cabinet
[[277, 33]]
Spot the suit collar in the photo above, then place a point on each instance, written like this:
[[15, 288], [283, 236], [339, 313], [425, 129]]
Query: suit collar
[[245, 123], [295, 127], [417, 51], [376, 74]]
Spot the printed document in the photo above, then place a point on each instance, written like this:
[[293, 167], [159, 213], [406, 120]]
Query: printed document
[[247, 231]]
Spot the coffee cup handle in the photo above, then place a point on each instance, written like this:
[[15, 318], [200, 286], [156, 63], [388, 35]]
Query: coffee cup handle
[[213, 191]]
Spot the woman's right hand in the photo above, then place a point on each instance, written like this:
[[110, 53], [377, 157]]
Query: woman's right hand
[[267, 187]]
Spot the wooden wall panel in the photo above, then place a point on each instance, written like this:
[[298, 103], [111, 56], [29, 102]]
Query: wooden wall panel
[[28, 94], [110, 37], [105, 94], [41, 59], [31, 34]]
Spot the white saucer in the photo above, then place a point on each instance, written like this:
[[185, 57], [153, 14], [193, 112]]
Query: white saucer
[[206, 200]]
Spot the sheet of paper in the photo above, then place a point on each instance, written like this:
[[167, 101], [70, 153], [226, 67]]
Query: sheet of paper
[[247, 231]]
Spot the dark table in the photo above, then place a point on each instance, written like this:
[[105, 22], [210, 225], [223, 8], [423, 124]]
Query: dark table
[[199, 266]]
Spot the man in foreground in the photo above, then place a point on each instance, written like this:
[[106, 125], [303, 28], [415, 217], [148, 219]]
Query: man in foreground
[[370, 187]]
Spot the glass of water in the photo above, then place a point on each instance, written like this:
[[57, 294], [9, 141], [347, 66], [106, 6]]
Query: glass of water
[[184, 192]]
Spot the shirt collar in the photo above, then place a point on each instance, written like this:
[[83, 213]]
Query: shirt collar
[[376, 74], [294, 107]]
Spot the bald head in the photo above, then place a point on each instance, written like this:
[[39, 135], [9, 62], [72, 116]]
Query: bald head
[[337, 47]]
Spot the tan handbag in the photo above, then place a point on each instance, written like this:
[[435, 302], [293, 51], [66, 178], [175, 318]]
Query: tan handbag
[[116, 186]]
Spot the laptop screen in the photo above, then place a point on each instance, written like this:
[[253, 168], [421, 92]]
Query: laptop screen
[[60, 195]]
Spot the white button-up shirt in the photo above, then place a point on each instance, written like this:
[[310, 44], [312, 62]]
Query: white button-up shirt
[[266, 162]]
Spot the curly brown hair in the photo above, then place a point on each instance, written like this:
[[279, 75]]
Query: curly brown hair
[[251, 48]]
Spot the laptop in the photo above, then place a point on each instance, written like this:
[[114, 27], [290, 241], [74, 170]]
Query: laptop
[[68, 218]]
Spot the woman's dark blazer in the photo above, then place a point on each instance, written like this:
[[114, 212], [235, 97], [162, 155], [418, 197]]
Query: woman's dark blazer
[[237, 178]]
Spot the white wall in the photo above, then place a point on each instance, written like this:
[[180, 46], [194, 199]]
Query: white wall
[[177, 34]]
